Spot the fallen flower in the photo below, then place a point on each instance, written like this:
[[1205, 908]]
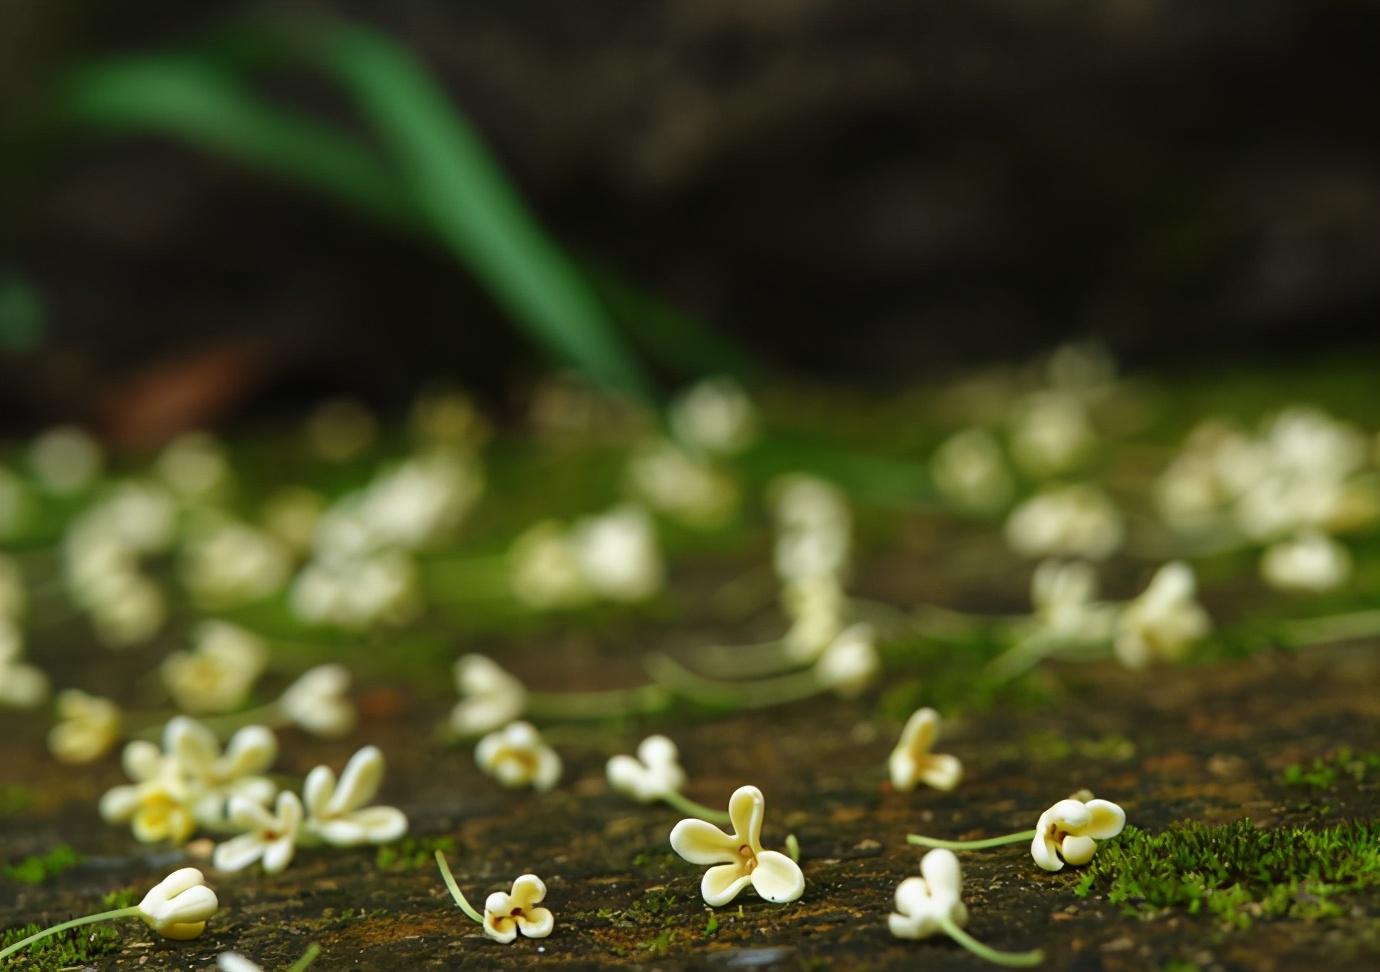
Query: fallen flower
[[317, 703], [517, 756], [505, 914], [1067, 832], [1164, 621], [336, 811], [87, 727], [738, 857], [269, 836], [489, 696], [912, 762], [651, 775]]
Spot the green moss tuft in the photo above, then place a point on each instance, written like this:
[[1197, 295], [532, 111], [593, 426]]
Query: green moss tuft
[[412, 853], [1236, 872], [39, 868], [74, 948], [1323, 772], [14, 800]]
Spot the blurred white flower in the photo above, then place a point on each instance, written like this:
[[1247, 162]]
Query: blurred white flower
[[618, 554], [971, 472], [1064, 596], [131, 610], [1310, 561], [518, 911], [87, 727], [1068, 832], [270, 836], [1163, 621], [1051, 433], [851, 662], [516, 755], [220, 670], [813, 528], [22, 686], [544, 572], [649, 776], [194, 465], [358, 592], [338, 811], [912, 761], [179, 906], [447, 418], [229, 563], [682, 486], [490, 697], [738, 858], [291, 514], [715, 416], [925, 904], [816, 606], [65, 459], [1076, 521], [317, 701]]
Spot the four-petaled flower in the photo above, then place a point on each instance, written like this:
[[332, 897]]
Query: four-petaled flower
[[1068, 831], [178, 906], [912, 762], [507, 914], [1164, 620], [516, 756], [317, 701], [739, 857], [489, 696], [923, 904], [271, 837], [336, 811], [652, 774]]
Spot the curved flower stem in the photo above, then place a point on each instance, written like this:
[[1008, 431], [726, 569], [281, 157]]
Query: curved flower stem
[[945, 624], [1013, 960], [759, 694], [642, 700], [1334, 627], [749, 660], [455, 891], [688, 806], [1024, 835], [308, 957], [129, 912]]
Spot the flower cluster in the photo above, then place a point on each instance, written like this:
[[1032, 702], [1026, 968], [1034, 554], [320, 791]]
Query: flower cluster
[[612, 556]]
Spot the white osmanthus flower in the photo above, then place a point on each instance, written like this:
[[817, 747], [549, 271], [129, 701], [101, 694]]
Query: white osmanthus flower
[[179, 906], [66, 459], [291, 514], [912, 761], [1218, 463], [101, 561], [88, 727], [816, 607], [337, 810], [924, 904], [1164, 621], [652, 774], [544, 572], [447, 417], [1068, 832], [1051, 433], [971, 472], [715, 416], [235, 962], [1310, 561], [516, 755], [194, 465], [270, 836], [518, 911], [813, 528], [219, 671], [682, 486], [22, 686], [317, 702], [132, 610], [738, 858], [228, 562], [490, 697], [618, 554], [851, 662], [1078, 521], [358, 592], [1064, 596]]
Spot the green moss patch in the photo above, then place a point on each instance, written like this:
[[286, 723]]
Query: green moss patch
[[1236, 872], [40, 867], [412, 853], [1323, 772]]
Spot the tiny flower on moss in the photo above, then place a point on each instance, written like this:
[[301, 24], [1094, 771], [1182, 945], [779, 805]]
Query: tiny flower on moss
[[653, 774], [179, 906], [912, 762], [1067, 832], [517, 911], [517, 756], [851, 662], [738, 857]]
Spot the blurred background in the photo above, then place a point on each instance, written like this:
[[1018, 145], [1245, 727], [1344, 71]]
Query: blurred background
[[217, 210]]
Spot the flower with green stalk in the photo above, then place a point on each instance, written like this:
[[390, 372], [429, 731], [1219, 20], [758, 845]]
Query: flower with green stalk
[[1067, 833], [505, 914], [655, 774]]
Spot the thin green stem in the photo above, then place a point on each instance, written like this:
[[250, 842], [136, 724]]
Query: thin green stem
[[758, 694], [641, 700], [970, 844], [308, 957], [793, 848], [1335, 627], [688, 806], [455, 891], [1012, 960], [74, 923]]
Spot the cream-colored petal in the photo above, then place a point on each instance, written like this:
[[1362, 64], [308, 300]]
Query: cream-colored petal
[[920, 731], [248, 815], [1076, 849], [339, 831], [722, 883], [142, 760], [943, 875], [237, 853], [118, 804], [548, 772], [746, 809], [777, 878], [1069, 815], [629, 777], [536, 923], [658, 751], [1045, 852], [359, 782], [251, 750], [528, 890], [379, 825], [317, 791], [700, 842], [913, 896], [278, 854], [941, 771], [193, 745], [903, 770], [1105, 819], [500, 928]]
